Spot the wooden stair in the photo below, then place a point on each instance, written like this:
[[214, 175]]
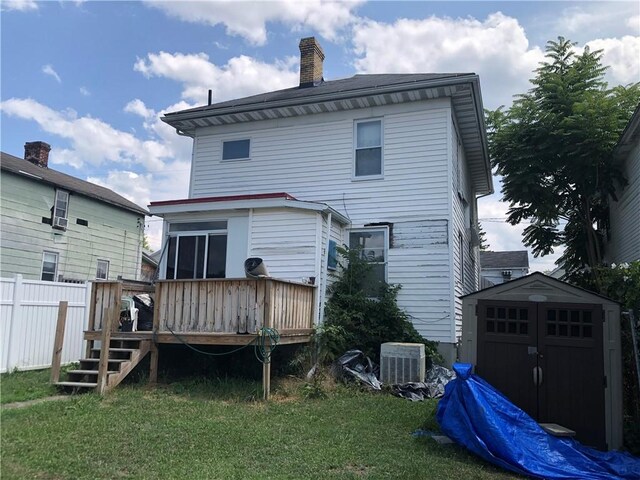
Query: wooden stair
[[124, 354]]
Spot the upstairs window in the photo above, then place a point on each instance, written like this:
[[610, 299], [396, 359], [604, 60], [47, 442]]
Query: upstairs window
[[102, 272], [61, 210], [49, 266], [368, 149], [372, 245], [236, 150]]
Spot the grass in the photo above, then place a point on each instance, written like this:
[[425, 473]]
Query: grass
[[21, 386], [215, 429]]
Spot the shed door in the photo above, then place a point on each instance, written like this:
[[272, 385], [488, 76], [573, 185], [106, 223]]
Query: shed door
[[547, 359]]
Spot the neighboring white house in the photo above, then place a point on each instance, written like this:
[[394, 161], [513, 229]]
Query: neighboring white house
[[624, 234], [500, 267], [392, 163]]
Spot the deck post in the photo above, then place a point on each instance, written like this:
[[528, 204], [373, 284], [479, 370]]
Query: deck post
[[266, 377], [267, 323], [58, 342], [105, 340], [153, 360], [153, 364]]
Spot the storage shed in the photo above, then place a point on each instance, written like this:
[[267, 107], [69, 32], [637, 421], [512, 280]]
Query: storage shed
[[553, 349]]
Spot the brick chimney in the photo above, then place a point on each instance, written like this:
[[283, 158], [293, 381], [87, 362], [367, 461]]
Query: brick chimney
[[311, 57], [37, 153]]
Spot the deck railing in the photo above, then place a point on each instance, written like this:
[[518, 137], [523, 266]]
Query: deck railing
[[232, 305], [212, 305]]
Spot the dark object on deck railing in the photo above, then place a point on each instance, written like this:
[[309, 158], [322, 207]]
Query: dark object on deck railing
[[144, 304], [254, 267]]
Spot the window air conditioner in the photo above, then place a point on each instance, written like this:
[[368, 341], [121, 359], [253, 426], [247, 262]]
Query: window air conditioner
[[402, 363], [60, 222]]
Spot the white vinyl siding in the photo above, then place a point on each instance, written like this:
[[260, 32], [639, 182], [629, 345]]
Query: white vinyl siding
[[466, 266], [285, 239], [312, 158], [624, 243]]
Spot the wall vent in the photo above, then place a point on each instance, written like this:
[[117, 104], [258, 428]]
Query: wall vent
[[402, 363]]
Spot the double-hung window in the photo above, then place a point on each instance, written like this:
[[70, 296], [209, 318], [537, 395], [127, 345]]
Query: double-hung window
[[236, 149], [368, 149], [372, 245], [61, 209], [197, 250], [49, 266], [102, 272]]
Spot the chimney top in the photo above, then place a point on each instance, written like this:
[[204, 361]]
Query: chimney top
[[311, 58], [37, 153]]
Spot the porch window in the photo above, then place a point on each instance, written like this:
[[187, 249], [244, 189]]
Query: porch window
[[49, 266], [372, 245], [368, 149], [194, 254], [102, 271]]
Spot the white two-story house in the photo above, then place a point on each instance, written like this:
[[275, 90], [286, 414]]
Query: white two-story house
[[390, 163]]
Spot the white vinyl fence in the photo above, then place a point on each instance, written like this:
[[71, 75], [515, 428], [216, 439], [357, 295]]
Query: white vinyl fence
[[28, 314]]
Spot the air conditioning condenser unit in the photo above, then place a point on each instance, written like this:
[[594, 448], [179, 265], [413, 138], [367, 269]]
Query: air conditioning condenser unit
[[402, 363]]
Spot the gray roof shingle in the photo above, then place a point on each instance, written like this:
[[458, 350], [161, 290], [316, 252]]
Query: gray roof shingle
[[357, 82], [27, 169], [512, 259]]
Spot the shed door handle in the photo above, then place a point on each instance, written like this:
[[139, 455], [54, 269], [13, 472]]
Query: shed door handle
[[537, 376]]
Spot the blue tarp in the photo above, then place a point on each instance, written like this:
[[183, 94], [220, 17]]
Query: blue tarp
[[477, 416]]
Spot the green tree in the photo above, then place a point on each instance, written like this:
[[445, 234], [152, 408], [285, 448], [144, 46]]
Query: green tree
[[482, 235], [554, 149]]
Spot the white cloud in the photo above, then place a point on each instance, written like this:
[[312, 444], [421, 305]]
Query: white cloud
[[597, 18], [19, 5], [48, 70], [239, 77], [496, 48], [622, 55], [138, 107], [93, 142], [328, 18], [84, 91]]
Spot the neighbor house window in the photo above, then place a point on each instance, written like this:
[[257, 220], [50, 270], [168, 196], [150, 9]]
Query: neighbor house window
[[197, 250], [49, 266], [368, 148], [372, 245], [102, 272], [236, 149], [61, 208]]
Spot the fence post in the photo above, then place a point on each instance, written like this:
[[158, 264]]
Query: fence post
[[16, 316], [105, 340], [58, 342]]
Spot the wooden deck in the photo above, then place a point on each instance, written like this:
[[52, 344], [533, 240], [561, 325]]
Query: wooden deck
[[201, 312]]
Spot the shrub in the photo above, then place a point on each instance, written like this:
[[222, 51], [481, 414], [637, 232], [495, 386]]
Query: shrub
[[356, 319]]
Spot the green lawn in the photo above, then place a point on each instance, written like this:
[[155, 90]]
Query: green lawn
[[22, 386], [215, 429]]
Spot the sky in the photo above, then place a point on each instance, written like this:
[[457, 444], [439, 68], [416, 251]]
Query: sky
[[93, 78]]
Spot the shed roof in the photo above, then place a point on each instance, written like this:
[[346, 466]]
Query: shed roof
[[55, 178], [535, 280], [508, 259]]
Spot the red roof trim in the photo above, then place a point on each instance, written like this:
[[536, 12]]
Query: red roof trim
[[230, 198]]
